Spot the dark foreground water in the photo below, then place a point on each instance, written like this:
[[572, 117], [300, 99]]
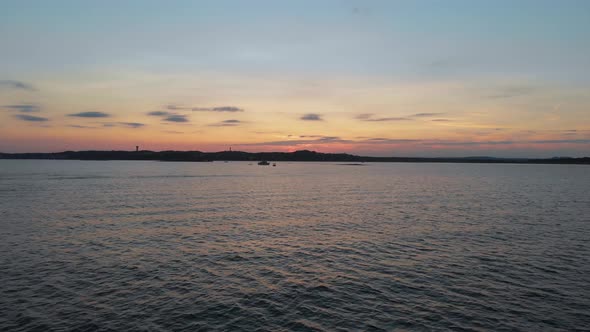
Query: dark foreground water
[[155, 246]]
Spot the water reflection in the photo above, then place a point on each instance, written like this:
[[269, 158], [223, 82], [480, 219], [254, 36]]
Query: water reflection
[[303, 246]]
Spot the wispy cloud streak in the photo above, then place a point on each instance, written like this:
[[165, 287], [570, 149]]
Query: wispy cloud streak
[[220, 109], [132, 124], [16, 85], [23, 108], [426, 115], [230, 109], [423, 142], [369, 117], [81, 127], [227, 123]]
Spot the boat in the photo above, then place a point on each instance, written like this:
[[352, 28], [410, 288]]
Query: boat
[[264, 163]]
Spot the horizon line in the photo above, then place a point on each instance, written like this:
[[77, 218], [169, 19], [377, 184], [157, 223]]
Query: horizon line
[[303, 150]]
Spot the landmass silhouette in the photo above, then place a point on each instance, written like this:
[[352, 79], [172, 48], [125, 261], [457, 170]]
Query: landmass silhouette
[[302, 155]]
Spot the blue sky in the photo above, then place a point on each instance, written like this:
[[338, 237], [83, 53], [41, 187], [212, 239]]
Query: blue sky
[[369, 37]]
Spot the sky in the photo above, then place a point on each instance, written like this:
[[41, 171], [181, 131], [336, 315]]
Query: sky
[[379, 78]]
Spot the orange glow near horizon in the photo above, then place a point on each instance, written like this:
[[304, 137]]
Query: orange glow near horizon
[[345, 116]]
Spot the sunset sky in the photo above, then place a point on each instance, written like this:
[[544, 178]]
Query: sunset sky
[[382, 78]]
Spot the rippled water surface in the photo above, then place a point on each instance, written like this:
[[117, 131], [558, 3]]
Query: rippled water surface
[[299, 247]]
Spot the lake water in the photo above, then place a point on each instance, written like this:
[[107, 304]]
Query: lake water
[[299, 247]]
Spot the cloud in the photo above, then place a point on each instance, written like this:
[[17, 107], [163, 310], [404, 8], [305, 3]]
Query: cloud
[[172, 132], [269, 132], [364, 116], [90, 115], [422, 142], [81, 127], [176, 107], [380, 140], [30, 118], [123, 124], [16, 85], [370, 118], [227, 123], [176, 118], [160, 113], [441, 120], [230, 109], [425, 115], [321, 140], [169, 116], [132, 124], [23, 108], [508, 142], [388, 119], [331, 139], [227, 109], [563, 141], [312, 117]]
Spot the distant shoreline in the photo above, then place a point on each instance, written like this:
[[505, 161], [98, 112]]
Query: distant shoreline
[[304, 155]]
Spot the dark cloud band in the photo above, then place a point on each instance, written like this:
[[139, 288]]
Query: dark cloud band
[[30, 118], [90, 115], [227, 123], [176, 118], [312, 117]]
